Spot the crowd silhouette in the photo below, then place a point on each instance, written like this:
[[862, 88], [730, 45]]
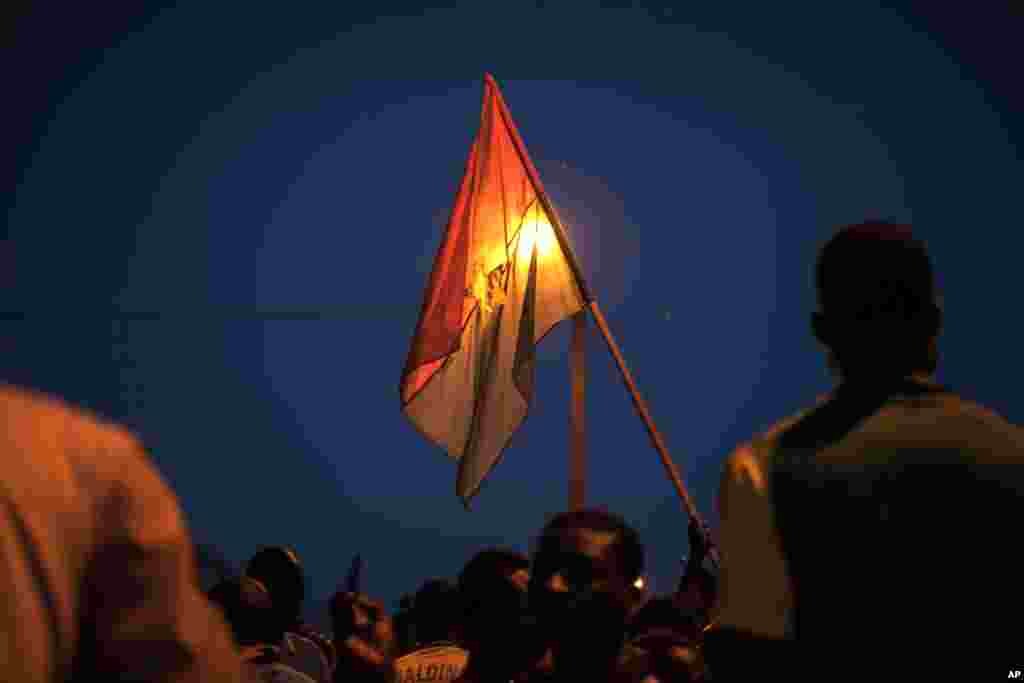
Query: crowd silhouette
[[825, 562]]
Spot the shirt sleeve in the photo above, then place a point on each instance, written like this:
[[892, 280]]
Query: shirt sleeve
[[754, 593], [147, 617]]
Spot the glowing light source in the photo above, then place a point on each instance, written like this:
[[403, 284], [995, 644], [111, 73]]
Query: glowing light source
[[537, 231], [639, 583], [489, 269]]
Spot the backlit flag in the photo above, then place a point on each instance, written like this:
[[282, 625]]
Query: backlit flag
[[502, 278]]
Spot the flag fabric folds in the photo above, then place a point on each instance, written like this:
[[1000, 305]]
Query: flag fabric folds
[[502, 278]]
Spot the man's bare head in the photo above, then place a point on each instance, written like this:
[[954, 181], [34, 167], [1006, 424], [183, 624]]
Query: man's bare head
[[581, 583], [877, 310]]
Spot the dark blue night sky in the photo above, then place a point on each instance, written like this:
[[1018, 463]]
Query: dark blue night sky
[[254, 158]]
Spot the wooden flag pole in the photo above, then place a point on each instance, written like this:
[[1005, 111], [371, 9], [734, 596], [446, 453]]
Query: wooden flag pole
[[577, 432], [645, 415]]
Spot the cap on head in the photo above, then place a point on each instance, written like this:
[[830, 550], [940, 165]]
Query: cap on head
[[629, 549]]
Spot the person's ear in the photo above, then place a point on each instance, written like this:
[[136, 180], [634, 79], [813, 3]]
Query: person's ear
[[819, 328]]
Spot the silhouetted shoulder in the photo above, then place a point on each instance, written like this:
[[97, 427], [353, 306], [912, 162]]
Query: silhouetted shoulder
[[978, 412], [749, 462], [773, 433], [989, 432]]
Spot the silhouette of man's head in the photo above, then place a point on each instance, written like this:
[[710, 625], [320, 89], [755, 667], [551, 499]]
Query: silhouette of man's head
[[279, 569], [581, 584], [489, 571], [435, 611], [492, 594], [877, 312], [249, 611]]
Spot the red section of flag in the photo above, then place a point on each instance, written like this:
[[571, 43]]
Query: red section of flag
[[441, 317]]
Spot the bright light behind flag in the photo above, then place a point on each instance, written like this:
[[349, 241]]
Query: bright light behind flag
[[538, 231]]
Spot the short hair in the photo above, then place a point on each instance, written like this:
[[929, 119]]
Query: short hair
[[434, 609], [280, 570], [629, 549], [249, 611], [482, 573], [874, 268]]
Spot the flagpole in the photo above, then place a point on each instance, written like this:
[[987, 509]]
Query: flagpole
[[641, 408], [602, 324], [577, 432]]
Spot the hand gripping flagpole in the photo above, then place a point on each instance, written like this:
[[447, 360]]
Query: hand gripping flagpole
[[595, 309]]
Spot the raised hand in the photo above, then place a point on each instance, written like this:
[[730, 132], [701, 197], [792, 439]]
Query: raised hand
[[363, 636]]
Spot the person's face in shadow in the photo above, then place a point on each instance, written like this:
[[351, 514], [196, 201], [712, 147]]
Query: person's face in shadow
[[579, 592]]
